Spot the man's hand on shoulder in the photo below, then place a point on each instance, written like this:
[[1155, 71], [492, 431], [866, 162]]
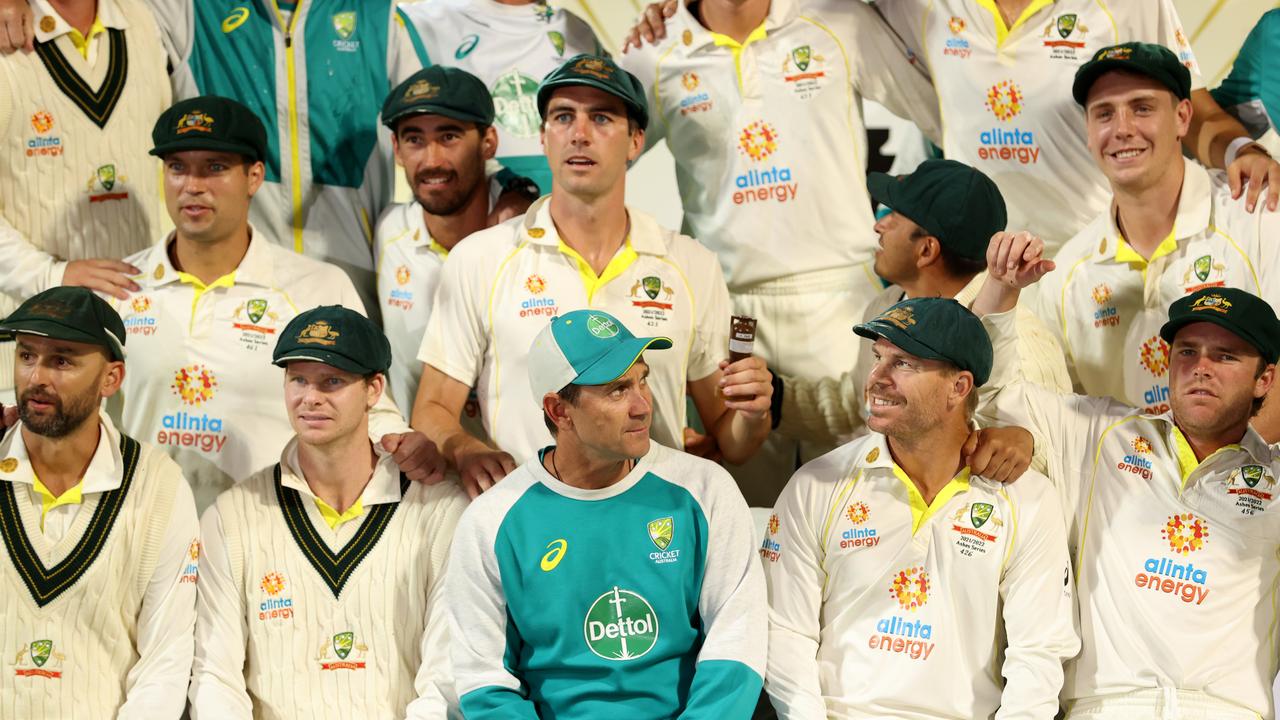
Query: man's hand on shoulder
[[1255, 168], [416, 456], [651, 25], [482, 470], [17, 29], [1002, 454], [109, 277]]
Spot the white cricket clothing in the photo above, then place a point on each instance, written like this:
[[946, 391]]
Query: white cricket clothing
[[274, 637], [114, 635], [71, 188], [768, 136], [1005, 94], [500, 286], [511, 48], [1171, 555], [201, 385], [1106, 303], [883, 606], [834, 408]]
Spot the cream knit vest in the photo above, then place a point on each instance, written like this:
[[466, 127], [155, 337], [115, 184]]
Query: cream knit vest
[[70, 657], [311, 655], [72, 188]]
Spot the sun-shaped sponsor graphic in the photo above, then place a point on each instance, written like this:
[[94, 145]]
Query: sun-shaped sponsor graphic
[[272, 583], [141, 304], [1141, 445], [535, 284], [758, 140], [42, 122], [858, 513], [911, 588], [1155, 355], [690, 81], [1004, 100], [1102, 294], [1186, 533], [194, 384], [956, 24], [773, 524], [402, 275], [193, 550]]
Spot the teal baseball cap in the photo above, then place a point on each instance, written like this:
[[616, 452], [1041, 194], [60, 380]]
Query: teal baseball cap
[[584, 347]]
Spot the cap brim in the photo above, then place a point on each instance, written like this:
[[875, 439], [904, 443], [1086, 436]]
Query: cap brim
[[544, 96], [342, 362], [1171, 328], [1085, 79], [58, 331], [875, 330], [880, 186], [210, 144], [428, 109], [615, 363]]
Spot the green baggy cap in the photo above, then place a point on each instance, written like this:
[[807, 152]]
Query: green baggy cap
[[337, 336], [1248, 316], [209, 122], [1155, 61], [600, 73], [69, 313], [440, 90], [955, 203], [935, 329]]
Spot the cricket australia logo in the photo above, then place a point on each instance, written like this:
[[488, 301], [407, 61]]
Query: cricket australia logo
[[977, 525], [620, 625], [1206, 272], [661, 532], [1252, 487], [32, 659], [344, 24], [343, 644]]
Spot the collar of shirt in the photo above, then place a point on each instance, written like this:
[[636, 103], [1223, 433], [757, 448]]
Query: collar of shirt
[[1252, 444], [255, 268], [383, 487], [46, 30], [1193, 219], [969, 292], [878, 457], [1003, 30], [102, 474], [781, 12], [418, 232], [646, 237]]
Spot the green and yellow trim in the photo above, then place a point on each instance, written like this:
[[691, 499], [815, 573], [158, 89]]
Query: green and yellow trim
[[47, 584], [334, 568]]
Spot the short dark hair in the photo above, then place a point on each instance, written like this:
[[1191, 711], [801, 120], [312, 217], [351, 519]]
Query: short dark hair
[[959, 266], [569, 393]]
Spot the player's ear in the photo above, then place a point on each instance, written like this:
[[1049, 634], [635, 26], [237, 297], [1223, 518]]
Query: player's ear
[[488, 141], [257, 173]]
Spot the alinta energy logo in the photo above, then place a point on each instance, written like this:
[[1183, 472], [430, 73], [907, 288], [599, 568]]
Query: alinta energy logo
[[896, 634], [399, 296], [537, 306], [1137, 462], [1185, 533], [139, 321], [1002, 143], [696, 100], [276, 604], [43, 143], [191, 571], [858, 537], [771, 549], [194, 385], [957, 45], [620, 625], [1153, 356], [1106, 315], [757, 142]]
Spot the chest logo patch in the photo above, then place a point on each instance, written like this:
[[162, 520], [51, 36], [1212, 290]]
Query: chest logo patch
[[1252, 487], [662, 532], [620, 625], [910, 587], [555, 553]]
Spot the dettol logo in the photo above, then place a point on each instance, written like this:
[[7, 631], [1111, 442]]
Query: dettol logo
[[620, 625]]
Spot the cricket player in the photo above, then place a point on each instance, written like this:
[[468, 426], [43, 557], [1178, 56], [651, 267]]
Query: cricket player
[[760, 104], [441, 122], [322, 588], [608, 576], [1173, 521], [214, 296], [901, 584], [932, 244], [579, 247], [510, 45], [1172, 228], [100, 539]]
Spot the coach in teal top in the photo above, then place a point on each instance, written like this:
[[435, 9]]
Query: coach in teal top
[[1252, 91], [609, 576]]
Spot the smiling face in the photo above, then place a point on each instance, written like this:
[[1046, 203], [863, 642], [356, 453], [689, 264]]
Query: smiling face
[[1135, 127], [909, 397], [443, 160], [1214, 379], [610, 422], [588, 141], [61, 383], [326, 404], [207, 193]]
